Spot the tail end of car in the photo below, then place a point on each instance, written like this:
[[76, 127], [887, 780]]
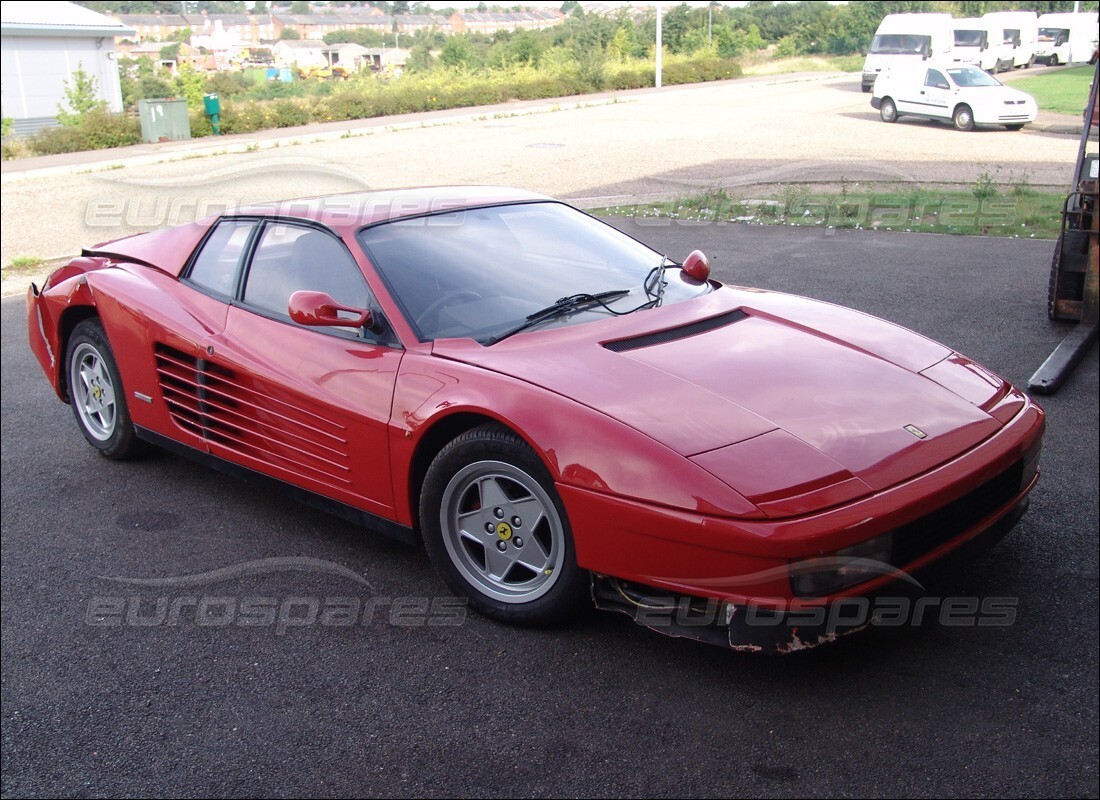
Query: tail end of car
[[53, 311]]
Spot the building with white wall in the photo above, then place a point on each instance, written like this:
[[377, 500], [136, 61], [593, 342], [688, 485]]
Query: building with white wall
[[42, 45]]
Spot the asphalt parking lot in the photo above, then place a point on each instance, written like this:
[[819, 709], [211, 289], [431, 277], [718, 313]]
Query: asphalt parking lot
[[412, 704]]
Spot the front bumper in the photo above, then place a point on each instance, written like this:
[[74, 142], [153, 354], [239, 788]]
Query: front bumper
[[801, 626], [722, 565]]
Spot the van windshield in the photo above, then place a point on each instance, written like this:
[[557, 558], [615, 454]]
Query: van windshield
[[969, 38], [901, 43], [1050, 34]]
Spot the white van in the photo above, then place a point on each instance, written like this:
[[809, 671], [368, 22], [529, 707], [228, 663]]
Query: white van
[[907, 38], [1017, 32], [972, 44], [962, 95], [1066, 37]]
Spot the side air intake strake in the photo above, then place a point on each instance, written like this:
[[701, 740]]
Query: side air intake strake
[[245, 414], [674, 334]]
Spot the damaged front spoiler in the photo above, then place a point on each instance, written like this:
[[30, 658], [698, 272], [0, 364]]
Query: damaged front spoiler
[[745, 628], [764, 628]]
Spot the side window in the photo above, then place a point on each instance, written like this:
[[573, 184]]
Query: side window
[[215, 267], [292, 258], [935, 79]]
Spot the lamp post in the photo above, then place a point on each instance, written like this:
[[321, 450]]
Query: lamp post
[[660, 48]]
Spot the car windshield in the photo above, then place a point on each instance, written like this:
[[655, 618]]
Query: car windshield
[[969, 38], [480, 273], [972, 76], [899, 43]]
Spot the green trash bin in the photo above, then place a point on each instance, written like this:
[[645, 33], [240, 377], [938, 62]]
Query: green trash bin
[[164, 120], [212, 105]]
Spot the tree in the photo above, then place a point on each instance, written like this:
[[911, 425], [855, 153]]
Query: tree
[[81, 97], [289, 34], [189, 84], [300, 7], [457, 53]]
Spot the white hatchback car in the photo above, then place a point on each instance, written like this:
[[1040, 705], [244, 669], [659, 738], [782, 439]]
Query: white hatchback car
[[965, 96]]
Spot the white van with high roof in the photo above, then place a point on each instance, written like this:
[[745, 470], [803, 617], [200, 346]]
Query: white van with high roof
[[907, 38], [972, 44], [1018, 33], [1067, 37]]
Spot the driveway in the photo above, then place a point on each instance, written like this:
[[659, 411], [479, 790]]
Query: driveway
[[746, 135]]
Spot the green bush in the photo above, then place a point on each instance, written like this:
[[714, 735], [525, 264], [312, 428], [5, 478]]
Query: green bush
[[365, 96], [98, 130], [104, 129], [288, 113]]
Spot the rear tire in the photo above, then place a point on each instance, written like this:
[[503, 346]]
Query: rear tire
[[888, 111], [963, 118], [96, 393]]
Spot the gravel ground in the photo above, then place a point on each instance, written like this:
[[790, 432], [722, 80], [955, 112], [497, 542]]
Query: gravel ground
[[614, 148]]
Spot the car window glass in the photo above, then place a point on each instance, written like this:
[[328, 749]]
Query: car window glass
[[215, 267], [291, 258], [935, 79]]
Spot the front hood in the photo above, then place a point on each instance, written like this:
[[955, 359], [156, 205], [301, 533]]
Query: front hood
[[772, 393]]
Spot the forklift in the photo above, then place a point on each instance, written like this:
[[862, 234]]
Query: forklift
[[1072, 289]]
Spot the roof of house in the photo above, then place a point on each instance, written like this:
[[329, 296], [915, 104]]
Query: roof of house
[[302, 44], [28, 18]]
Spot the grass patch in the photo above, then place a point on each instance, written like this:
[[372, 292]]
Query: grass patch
[[782, 66], [1064, 92], [26, 263], [1019, 211]]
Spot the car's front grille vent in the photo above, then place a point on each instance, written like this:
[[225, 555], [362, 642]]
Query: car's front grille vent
[[932, 530], [248, 416], [674, 334]]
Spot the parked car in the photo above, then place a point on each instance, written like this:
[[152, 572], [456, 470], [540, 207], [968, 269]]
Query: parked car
[[557, 411], [965, 96]]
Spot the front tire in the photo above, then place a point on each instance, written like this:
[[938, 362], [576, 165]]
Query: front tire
[[496, 530], [888, 111], [963, 118], [96, 394], [1053, 61]]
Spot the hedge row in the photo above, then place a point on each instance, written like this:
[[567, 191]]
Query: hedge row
[[367, 97]]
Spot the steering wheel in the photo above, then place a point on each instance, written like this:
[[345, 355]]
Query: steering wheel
[[438, 304]]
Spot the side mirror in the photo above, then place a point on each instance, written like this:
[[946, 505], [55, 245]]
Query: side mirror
[[697, 265], [318, 309]]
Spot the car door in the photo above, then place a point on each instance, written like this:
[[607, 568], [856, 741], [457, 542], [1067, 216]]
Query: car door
[[307, 405], [935, 95]]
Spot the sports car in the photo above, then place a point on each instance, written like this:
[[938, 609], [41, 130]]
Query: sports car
[[559, 413]]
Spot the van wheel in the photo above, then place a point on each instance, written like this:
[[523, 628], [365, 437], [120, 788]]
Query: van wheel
[[963, 118], [1052, 61], [888, 111]]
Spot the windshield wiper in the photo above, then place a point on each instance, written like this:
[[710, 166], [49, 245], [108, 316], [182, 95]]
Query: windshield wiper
[[657, 294], [561, 307]]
